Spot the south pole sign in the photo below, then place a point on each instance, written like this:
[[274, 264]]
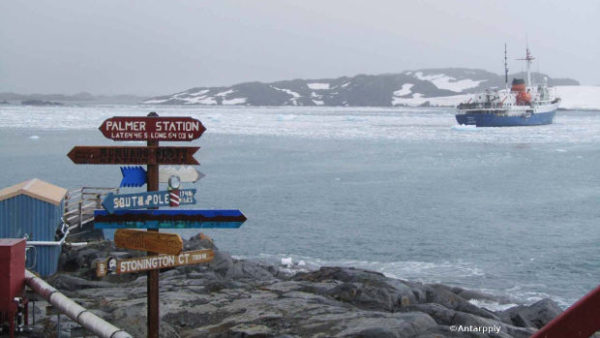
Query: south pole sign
[[130, 128], [151, 199]]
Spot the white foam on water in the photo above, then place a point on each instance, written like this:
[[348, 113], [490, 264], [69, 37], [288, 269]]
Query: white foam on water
[[445, 272], [491, 305], [34, 137]]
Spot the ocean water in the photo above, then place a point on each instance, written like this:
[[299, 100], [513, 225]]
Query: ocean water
[[403, 191]]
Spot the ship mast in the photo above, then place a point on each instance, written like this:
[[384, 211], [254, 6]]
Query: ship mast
[[505, 69], [528, 58]]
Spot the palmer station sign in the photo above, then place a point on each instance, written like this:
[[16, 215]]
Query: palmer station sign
[[138, 128]]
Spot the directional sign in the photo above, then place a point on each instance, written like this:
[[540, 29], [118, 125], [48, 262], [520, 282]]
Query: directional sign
[[133, 155], [172, 218], [159, 242], [141, 128], [133, 176], [150, 199], [146, 263], [185, 173]]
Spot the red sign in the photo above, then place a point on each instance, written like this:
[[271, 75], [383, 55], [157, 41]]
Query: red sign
[[133, 155], [142, 128]]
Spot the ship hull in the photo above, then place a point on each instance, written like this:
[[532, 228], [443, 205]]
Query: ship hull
[[496, 119]]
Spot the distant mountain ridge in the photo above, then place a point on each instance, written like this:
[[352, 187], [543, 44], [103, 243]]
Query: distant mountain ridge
[[79, 98], [360, 90]]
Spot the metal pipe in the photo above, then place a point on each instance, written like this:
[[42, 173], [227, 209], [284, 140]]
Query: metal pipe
[[76, 312], [50, 243]]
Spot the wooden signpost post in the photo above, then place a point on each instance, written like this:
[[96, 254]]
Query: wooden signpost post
[[152, 129], [158, 242]]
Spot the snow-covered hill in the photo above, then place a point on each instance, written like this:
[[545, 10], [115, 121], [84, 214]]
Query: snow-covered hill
[[436, 87]]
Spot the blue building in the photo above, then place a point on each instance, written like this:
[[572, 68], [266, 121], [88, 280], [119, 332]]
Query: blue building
[[33, 209]]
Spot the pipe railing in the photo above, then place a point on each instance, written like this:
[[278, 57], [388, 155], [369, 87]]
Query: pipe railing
[[76, 312]]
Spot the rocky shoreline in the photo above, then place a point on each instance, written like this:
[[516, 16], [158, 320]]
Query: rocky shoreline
[[244, 298]]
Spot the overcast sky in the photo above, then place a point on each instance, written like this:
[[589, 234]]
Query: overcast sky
[[151, 47]]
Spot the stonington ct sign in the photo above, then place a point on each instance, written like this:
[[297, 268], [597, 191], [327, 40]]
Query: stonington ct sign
[[146, 263]]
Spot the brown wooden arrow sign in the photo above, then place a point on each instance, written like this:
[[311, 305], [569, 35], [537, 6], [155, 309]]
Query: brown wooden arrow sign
[[142, 128], [158, 242], [133, 155], [146, 263]]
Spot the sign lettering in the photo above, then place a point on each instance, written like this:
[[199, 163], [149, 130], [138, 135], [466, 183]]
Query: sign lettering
[[133, 155], [141, 128]]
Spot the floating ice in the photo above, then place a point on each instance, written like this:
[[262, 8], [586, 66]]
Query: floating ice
[[464, 127], [34, 137]]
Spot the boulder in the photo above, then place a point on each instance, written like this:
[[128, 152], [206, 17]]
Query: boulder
[[534, 316]]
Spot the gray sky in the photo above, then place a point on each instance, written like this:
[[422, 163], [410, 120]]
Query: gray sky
[[151, 47]]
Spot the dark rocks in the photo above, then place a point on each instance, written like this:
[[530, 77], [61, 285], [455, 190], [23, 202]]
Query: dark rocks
[[242, 298], [536, 315]]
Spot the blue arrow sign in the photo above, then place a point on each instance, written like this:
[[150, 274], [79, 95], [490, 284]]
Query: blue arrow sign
[[151, 199], [133, 176], [156, 219]]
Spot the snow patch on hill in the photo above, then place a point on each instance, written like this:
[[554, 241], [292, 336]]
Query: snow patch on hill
[[443, 81], [318, 86], [418, 99], [405, 90]]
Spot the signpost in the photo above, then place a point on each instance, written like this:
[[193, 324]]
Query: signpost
[[149, 263], [149, 241], [133, 155], [173, 218], [187, 174], [133, 176], [140, 128], [140, 200], [152, 129]]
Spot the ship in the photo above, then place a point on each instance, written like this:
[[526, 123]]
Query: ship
[[524, 104]]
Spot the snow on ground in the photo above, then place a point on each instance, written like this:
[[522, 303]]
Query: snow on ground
[[579, 97], [202, 92], [201, 100], [287, 91], [405, 90], [418, 100], [155, 101], [239, 100], [318, 86], [443, 81], [225, 93]]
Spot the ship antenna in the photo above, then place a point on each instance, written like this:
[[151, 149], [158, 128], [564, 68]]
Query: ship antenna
[[505, 68], [528, 59]]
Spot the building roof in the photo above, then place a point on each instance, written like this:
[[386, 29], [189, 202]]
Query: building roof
[[37, 189]]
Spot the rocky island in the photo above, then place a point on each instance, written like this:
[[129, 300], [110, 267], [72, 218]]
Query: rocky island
[[244, 298]]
